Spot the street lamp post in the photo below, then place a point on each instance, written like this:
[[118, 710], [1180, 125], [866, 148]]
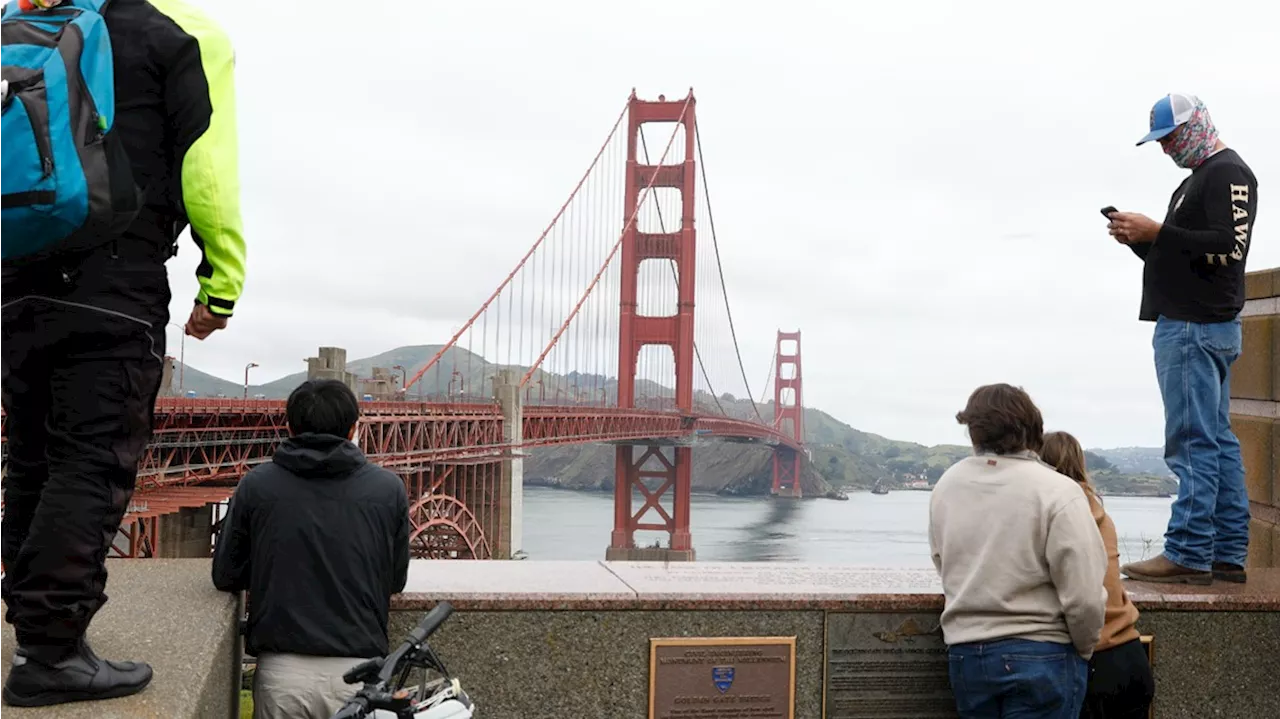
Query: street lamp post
[[248, 367], [182, 358]]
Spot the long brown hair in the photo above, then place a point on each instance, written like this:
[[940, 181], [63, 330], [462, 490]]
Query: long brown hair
[[1064, 453]]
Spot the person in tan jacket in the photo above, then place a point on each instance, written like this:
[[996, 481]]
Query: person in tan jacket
[[1120, 682]]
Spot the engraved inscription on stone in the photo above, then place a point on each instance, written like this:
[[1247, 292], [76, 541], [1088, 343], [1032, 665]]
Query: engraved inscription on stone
[[887, 666], [766, 578], [722, 678]]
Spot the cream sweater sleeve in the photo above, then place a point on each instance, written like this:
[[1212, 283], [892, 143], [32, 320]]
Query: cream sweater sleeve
[[1078, 563]]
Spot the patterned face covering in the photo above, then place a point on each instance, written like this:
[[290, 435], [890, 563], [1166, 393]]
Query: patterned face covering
[[1192, 143]]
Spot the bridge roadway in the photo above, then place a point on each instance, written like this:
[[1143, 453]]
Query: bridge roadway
[[202, 446], [199, 440]]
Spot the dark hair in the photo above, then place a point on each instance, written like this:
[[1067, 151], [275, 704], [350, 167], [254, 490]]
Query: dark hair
[[1002, 419], [322, 406]]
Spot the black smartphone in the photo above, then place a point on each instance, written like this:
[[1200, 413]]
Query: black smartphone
[[1106, 211]]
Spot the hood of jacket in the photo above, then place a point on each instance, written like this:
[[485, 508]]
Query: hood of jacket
[[319, 456]]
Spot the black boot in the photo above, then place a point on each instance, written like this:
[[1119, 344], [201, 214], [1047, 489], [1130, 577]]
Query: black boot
[[42, 676]]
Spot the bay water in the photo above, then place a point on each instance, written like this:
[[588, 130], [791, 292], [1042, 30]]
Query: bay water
[[883, 531]]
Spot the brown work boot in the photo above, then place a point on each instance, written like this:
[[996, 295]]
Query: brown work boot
[[1229, 572], [1161, 569]]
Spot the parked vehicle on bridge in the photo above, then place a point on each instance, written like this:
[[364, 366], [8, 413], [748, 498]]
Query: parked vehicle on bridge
[[384, 695]]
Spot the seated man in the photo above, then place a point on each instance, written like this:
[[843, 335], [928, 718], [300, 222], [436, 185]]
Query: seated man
[[1022, 564], [320, 539]]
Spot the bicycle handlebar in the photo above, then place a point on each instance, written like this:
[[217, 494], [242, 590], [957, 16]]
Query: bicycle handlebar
[[359, 705], [431, 622]]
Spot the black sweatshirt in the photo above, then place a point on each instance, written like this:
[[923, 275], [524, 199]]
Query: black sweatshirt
[[320, 538], [1195, 268]]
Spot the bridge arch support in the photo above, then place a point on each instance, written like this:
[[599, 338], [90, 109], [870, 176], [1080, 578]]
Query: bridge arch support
[[442, 527]]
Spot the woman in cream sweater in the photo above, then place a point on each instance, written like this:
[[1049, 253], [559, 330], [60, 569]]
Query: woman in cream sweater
[[1120, 681]]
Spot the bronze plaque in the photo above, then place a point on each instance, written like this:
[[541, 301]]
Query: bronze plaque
[[886, 666], [722, 678]]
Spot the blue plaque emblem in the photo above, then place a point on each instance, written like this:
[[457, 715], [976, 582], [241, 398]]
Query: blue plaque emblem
[[723, 678]]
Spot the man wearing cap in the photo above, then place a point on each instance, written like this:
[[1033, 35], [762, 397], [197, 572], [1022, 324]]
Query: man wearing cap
[[1193, 289]]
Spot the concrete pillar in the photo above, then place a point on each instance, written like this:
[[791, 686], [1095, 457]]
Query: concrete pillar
[[186, 533], [1255, 412], [166, 378], [506, 390]]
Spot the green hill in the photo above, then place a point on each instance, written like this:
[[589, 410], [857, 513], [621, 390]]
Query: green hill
[[475, 374], [189, 379], [841, 457]]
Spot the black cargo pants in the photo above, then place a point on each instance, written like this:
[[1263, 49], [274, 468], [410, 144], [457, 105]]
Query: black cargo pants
[[83, 348]]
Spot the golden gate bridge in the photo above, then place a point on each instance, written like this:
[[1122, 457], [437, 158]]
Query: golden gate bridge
[[592, 337]]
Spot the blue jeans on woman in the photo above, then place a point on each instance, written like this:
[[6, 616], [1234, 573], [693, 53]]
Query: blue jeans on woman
[[1210, 518], [1018, 679]]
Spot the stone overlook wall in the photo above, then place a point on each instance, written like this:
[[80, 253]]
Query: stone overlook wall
[[165, 612], [1255, 413]]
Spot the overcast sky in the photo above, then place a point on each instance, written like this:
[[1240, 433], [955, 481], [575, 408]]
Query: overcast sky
[[914, 185]]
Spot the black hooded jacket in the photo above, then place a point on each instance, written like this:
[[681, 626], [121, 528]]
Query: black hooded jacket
[[319, 537]]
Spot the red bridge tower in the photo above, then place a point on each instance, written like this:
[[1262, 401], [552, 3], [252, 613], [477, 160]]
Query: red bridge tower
[[666, 472], [787, 406]]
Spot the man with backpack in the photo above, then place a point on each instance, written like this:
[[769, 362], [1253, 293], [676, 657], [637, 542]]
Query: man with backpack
[[119, 132]]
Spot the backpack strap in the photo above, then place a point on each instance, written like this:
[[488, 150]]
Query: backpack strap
[[98, 6]]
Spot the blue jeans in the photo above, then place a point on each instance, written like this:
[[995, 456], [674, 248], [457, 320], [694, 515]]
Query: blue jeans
[[1210, 518], [1017, 679]]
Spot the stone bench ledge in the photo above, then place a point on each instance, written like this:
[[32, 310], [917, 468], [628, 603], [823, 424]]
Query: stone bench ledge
[[167, 613], [714, 586]]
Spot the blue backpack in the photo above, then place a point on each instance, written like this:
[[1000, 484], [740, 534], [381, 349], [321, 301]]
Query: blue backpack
[[67, 182]]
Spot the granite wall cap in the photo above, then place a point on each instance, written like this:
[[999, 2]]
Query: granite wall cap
[[167, 613], [570, 585], [702, 586], [1261, 593]]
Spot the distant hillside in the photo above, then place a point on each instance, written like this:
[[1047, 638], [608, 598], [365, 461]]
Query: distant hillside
[[474, 377], [1137, 460], [190, 379], [412, 358], [841, 457]]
